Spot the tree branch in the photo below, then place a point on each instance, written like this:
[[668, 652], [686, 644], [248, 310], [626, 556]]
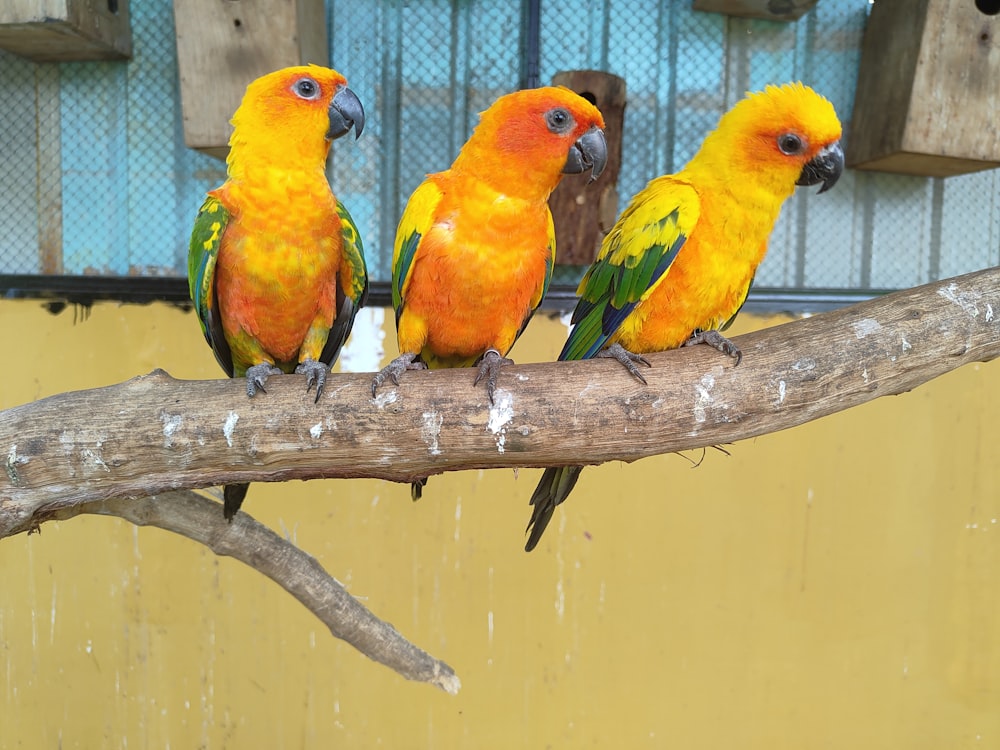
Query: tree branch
[[82, 451], [198, 518], [152, 434]]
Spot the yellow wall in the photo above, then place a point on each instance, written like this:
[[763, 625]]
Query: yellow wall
[[832, 586]]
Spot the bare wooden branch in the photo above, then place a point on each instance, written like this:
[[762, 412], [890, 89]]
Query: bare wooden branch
[[198, 518], [153, 433], [83, 452]]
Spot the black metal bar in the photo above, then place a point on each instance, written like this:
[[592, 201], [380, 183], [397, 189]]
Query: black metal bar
[[85, 290], [532, 34]]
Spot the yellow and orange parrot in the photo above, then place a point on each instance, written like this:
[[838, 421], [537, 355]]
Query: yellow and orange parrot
[[276, 268], [678, 264], [475, 245]]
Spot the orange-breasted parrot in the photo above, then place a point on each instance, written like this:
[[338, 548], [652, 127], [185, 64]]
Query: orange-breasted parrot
[[276, 268], [678, 264], [475, 245]]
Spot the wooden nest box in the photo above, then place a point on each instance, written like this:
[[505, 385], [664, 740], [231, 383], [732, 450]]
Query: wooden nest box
[[584, 211], [223, 45], [66, 30], [928, 96], [769, 10]]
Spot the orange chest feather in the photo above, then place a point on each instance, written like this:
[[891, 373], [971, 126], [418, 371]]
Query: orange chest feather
[[479, 271], [278, 262]]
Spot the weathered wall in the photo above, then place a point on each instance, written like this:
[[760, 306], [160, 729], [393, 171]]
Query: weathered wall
[[832, 586]]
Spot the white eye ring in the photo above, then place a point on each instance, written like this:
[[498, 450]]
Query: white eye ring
[[790, 144], [306, 88], [559, 120]]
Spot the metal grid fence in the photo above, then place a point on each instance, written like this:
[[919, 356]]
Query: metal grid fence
[[95, 178]]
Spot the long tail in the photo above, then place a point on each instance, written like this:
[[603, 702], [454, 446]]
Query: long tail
[[232, 499], [417, 489], [554, 487]]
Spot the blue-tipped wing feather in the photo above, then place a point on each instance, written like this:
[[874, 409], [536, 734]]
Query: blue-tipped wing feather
[[623, 274]]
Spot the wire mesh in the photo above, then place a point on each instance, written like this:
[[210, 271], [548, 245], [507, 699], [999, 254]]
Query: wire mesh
[[96, 179]]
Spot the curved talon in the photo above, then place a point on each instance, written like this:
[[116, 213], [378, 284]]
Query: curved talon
[[717, 341], [394, 369], [627, 359], [489, 368], [257, 376], [316, 374]]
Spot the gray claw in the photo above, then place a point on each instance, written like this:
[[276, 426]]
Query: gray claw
[[717, 341], [394, 369], [316, 374], [257, 376], [627, 359], [489, 368]]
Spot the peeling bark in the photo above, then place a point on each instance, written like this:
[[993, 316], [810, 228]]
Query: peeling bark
[[198, 518], [155, 434]]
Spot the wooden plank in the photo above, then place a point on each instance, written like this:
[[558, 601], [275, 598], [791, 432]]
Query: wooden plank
[[224, 45], [926, 165], [65, 30], [927, 99], [885, 82], [585, 211], [769, 10], [955, 98]]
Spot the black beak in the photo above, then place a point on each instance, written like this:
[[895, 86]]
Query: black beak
[[589, 152], [345, 112], [825, 167]]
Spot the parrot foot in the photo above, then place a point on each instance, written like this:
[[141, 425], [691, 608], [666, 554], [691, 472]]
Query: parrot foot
[[627, 359], [715, 339], [394, 369], [489, 368], [316, 372], [257, 376]]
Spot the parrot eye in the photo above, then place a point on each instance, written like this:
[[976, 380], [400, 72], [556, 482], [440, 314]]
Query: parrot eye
[[790, 144], [306, 88], [559, 121]]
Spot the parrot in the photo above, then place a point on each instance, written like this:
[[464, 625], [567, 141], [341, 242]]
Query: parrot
[[475, 245], [677, 266], [276, 267]]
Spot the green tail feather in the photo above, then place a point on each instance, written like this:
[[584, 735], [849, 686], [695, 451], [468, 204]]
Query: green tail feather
[[554, 487]]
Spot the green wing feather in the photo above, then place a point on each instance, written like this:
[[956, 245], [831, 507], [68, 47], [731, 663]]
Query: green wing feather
[[413, 225], [550, 263], [354, 257], [634, 258], [348, 304], [203, 252]]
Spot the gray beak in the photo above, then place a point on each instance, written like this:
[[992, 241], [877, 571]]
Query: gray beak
[[825, 167], [345, 112], [589, 152]]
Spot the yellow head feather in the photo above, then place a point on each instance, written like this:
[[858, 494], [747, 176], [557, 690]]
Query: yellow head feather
[[746, 144], [277, 125]]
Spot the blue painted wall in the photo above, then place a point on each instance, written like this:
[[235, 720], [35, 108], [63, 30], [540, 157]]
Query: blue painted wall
[[101, 143]]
